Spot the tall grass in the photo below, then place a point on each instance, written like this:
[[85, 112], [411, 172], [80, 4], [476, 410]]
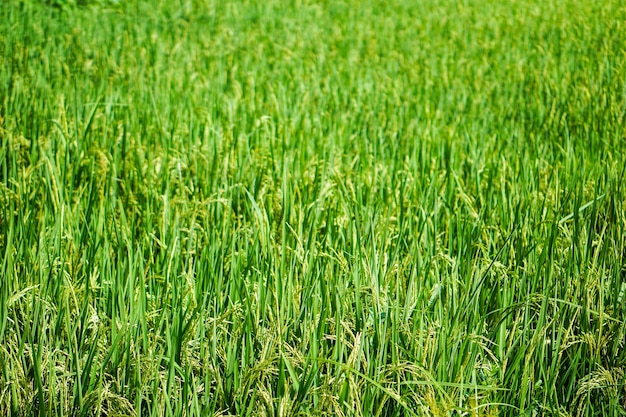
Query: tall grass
[[312, 208]]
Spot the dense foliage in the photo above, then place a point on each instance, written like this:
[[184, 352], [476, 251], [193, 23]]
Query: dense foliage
[[378, 207]]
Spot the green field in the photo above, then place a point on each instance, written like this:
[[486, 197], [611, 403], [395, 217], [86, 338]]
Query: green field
[[291, 208]]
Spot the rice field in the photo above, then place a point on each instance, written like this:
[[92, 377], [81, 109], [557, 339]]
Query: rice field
[[311, 207]]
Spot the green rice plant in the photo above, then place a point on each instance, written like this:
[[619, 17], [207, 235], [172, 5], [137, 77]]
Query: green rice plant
[[346, 208]]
